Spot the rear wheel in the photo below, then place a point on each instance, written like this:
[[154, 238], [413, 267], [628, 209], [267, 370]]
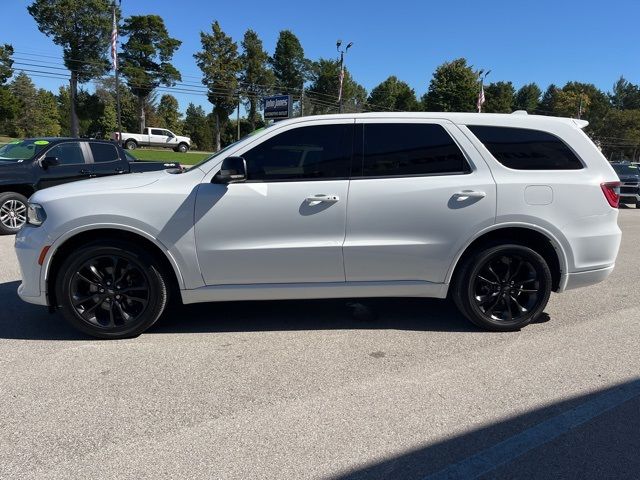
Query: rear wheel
[[113, 290], [503, 288], [130, 145], [13, 212], [183, 148]]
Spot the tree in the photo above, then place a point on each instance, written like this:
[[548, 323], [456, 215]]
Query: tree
[[453, 88], [83, 29], [106, 91], [625, 95], [6, 63], [256, 77], [168, 113], [323, 92], [146, 56], [197, 127], [220, 67], [548, 101], [38, 110], [527, 98], [393, 94], [288, 62], [499, 97], [8, 103]]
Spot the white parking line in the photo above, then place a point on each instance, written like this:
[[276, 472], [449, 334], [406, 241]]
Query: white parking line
[[517, 445]]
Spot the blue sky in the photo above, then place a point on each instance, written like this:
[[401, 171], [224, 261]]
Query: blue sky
[[542, 41]]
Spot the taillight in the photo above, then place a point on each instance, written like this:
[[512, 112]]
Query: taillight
[[611, 192]]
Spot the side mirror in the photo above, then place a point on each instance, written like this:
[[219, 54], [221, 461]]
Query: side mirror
[[233, 170], [49, 162]]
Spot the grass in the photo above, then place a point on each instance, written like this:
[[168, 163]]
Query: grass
[[166, 155]]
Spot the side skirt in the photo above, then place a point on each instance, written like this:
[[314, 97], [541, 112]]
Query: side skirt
[[300, 291]]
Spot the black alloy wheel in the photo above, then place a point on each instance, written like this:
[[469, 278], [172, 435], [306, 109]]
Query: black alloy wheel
[[504, 288], [113, 290]]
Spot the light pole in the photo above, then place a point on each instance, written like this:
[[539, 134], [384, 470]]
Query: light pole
[[481, 76], [114, 57], [342, 54]]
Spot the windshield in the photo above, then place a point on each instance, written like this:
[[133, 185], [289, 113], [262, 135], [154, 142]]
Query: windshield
[[21, 150], [626, 169], [218, 153]]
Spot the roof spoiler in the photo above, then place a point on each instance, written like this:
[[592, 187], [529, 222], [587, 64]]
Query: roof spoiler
[[580, 123]]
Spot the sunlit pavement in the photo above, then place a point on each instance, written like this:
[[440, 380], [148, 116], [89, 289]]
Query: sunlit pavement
[[305, 390]]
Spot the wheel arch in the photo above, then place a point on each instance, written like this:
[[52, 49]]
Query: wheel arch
[[24, 190], [75, 239], [532, 236]]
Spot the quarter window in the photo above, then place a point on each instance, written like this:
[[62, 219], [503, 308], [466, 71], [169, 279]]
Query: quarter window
[[104, 152], [67, 153], [525, 149], [314, 152], [404, 149]]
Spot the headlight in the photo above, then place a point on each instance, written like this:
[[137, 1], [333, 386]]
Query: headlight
[[35, 214]]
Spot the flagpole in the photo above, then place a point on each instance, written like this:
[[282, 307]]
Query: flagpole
[[115, 67]]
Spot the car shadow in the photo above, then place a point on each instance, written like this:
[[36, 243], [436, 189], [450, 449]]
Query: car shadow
[[20, 320], [591, 436]]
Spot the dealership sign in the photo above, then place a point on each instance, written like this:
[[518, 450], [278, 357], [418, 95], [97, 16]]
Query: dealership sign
[[277, 107]]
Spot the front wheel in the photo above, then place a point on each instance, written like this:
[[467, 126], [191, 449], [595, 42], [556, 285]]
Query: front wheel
[[503, 288], [111, 290], [13, 212]]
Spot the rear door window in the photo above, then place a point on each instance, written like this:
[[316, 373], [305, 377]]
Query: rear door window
[[408, 149], [525, 149], [104, 152]]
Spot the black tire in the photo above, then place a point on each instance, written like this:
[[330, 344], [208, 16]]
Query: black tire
[[637, 204], [183, 148], [13, 212], [111, 290], [130, 144], [495, 273]]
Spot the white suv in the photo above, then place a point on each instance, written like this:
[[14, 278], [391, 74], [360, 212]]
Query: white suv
[[495, 211]]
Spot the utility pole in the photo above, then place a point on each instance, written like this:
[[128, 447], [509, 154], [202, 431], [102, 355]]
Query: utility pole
[[114, 55], [342, 54], [238, 117]]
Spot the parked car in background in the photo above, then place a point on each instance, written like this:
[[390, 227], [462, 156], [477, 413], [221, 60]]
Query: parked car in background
[[629, 174], [27, 166], [154, 137], [478, 207]]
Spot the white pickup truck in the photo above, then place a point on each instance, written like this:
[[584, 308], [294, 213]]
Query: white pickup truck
[[153, 137]]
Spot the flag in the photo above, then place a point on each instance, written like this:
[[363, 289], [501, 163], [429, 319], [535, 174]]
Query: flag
[[341, 81], [480, 98], [114, 42]]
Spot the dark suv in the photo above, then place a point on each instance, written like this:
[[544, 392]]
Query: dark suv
[[629, 174]]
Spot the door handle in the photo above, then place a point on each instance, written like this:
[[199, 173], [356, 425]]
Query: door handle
[[321, 197], [84, 171], [467, 194]]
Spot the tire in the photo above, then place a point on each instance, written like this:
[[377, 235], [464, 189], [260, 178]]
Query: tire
[[130, 144], [495, 273], [183, 148], [637, 204], [111, 290], [13, 212]]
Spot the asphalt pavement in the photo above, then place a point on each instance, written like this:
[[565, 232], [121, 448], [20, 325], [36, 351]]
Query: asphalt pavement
[[305, 389]]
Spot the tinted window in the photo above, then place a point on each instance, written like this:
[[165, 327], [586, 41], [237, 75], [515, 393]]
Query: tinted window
[[314, 152], [157, 132], [410, 149], [67, 153], [104, 152], [525, 149]]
